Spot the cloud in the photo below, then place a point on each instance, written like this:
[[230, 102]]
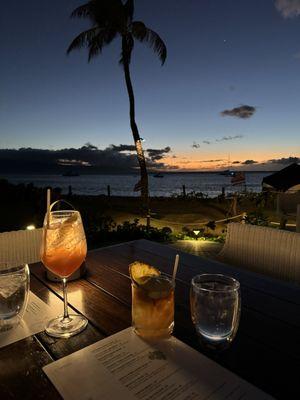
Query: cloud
[[297, 55], [122, 147], [242, 112], [249, 162], [210, 161], [73, 163], [200, 161], [226, 138], [196, 145], [158, 154], [274, 164], [153, 154], [113, 159], [288, 8], [284, 160]]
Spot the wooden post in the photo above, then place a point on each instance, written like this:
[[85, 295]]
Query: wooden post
[[278, 208], [108, 191], [70, 191], [234, 205], [280, 211], [298, 219], [183, 191], [148, 222], [222, 197]]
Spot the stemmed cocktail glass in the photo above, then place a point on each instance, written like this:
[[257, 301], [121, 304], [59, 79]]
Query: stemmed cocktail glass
[[63, 251]]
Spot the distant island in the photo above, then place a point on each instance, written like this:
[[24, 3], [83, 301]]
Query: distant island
[[112, 160]]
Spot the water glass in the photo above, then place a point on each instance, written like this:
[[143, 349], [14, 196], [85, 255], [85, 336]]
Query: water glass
[[215, 308], [14, 292]]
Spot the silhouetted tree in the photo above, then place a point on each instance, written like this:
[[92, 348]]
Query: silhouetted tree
[[111, 19]]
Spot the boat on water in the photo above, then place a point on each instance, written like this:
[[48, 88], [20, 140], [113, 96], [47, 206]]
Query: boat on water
[[158, 175], [228, 172]]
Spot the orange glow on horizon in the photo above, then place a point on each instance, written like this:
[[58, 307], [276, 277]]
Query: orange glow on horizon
[[210, 162]]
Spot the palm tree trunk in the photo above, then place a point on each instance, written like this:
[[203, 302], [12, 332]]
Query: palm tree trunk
[[136, 137]]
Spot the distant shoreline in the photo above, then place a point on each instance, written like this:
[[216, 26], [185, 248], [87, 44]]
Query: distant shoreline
[[180, 183], [4, 174]]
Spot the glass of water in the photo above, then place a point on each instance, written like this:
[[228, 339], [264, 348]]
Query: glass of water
[[14, 292], [215, 307]]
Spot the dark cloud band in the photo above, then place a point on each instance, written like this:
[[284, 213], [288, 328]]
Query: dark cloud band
[[249, 162], [242, 112], [284, 161], [113, 159], [158, 154]]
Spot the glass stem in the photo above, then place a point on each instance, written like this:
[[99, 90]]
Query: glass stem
[[66, 314]]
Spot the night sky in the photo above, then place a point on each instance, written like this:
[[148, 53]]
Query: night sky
[[222, 54]]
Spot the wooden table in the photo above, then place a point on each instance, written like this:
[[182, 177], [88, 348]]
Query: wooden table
[[266, 351]]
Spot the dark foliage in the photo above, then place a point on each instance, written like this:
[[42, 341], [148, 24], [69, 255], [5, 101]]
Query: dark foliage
[[23, 205], [257, 218]]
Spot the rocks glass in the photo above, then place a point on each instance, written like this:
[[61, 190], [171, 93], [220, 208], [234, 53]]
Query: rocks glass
[[14, 293], [152, 301], [215, 307]]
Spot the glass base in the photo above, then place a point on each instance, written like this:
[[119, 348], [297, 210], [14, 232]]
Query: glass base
[[65, 328], [215, 344], [155, 334]]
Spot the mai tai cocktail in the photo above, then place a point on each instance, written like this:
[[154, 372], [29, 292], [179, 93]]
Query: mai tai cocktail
[[63, 251], [152, 301]]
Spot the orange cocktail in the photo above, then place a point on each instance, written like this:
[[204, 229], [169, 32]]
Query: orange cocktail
[[63, 251], [152, 301], [64, 244]]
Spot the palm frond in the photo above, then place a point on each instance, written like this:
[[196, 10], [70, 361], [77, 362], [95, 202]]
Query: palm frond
[[94, 39], [82, 40], [82, 11], [129, 9], [144, 34], [104, 13], [102, 39], [95, 48]]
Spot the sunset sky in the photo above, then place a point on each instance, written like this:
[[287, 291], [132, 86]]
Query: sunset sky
[[223, 55]]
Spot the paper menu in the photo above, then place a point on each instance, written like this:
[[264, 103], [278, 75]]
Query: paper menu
[[124, 366], [36, 316]]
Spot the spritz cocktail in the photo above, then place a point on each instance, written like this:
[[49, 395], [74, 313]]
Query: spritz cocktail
[[64, 243], [63, 251]]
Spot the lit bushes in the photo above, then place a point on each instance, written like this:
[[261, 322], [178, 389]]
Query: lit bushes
[[105, 230]]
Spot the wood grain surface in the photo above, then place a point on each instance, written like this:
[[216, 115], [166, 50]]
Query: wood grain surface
[[266, 350]]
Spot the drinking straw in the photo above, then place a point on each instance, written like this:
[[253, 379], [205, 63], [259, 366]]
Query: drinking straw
[[175, 268], [48, 206]]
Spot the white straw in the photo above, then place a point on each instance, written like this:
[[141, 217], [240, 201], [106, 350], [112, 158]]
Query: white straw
[[175, 268], [48, 205]]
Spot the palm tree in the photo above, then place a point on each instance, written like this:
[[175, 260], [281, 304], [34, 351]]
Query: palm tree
[[113, 19]]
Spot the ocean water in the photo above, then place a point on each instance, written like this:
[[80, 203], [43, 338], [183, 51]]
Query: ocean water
[[122, 185]]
